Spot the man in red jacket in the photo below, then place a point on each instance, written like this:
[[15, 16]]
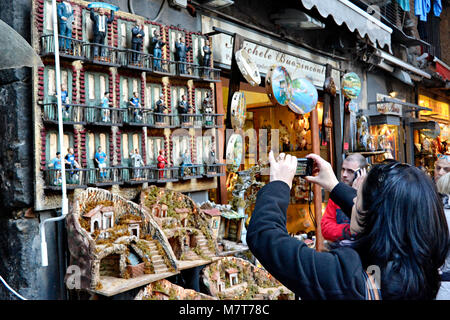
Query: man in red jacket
[[335, 224]]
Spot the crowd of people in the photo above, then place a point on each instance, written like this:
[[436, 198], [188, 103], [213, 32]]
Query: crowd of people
[[387, 229]]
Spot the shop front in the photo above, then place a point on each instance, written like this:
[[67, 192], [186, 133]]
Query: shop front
[[271, 126]]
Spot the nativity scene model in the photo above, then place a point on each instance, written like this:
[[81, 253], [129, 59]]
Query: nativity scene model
[[165, 290], [186, 227], [111, 238], [237, 279]]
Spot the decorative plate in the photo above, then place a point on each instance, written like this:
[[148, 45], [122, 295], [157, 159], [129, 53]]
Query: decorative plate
[[351, 85], [248, 68], [303, 96], [278, 85], [103, 5], [238, 110], [234, 151]]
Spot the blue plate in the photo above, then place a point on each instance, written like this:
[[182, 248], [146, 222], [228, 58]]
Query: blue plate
[[303, 96], [103, 5]]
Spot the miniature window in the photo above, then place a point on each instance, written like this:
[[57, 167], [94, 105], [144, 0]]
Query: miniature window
[[88, 27], [50, 83], [123, 35], [177, 92], [95, 140], [200, 95], [154, 145], [152, 90], [174, 35], [198, 43], [203, 148], [96, 86], [180, 145], [52, 144], [48, 17]]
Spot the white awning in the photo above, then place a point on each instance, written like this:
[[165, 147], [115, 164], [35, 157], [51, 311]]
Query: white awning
[[356, 19]]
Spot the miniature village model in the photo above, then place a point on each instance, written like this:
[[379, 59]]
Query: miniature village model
[[237, 279], [186, 227], [165, 290], [110, 237]]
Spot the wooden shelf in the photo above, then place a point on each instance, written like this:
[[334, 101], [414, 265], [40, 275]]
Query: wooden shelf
[[367, 153], [112, 286]]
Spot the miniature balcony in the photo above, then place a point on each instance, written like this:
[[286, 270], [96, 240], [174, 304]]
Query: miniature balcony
[[163, 120], [164, 67], [102, 54], [213, 120], [214, 170], [75, 178], [210, 74], [140, 175], [100, 116], [136, 60], [165, 175], [71, 113], [188, 70], [139, 117], [105, 176], [68, 47], [189, 120], [191, 171]]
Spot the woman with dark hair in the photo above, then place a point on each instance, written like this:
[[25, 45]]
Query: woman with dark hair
[[404, 235]]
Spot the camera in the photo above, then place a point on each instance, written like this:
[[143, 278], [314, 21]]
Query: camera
[[304, 167]]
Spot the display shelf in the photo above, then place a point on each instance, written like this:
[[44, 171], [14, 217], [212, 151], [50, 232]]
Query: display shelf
[[112, 286]]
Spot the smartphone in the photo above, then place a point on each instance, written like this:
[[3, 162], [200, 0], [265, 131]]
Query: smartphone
[[356, 174], [304, 167]]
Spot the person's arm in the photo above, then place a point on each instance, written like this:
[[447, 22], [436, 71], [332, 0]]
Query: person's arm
[[331, 230], [343, 195], [308, 273], [92, 15]]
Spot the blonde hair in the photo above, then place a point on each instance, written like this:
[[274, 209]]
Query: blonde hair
[[443, 184]]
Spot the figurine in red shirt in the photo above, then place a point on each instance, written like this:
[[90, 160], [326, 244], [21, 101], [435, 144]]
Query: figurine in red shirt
[[162, 161]]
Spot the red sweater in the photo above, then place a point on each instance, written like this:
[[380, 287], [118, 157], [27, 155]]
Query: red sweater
[[335, 224]]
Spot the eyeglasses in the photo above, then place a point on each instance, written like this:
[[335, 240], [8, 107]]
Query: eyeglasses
[[443, 156]]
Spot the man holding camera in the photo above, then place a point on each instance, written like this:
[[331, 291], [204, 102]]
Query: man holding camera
[[335, 225]]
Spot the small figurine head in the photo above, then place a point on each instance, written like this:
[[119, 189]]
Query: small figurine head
[[70, 150], [107, 94], [99, 149], [101, 11], [207, 42], [156, 33], [136, 151], [135, 94], [58, 155], [183, 97], [161, 152], [181, 39], [63, 87], [161, 96]]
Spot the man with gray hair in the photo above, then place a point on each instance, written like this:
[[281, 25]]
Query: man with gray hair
[[335, 224]]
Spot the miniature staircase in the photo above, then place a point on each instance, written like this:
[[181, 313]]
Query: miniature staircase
[[202, 243], [159, 265]]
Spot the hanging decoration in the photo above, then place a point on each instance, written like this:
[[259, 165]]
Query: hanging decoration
[[247, 67], [303, 96], [351, 85], [278, 85], [238, 110]]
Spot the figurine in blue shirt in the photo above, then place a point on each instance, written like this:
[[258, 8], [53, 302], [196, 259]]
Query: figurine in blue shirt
[[55, 163], [135, 104], [65, 20], [100, 160], [105, 105]]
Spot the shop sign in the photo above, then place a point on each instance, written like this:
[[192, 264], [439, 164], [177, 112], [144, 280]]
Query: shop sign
[[262, 53], [388, 108]]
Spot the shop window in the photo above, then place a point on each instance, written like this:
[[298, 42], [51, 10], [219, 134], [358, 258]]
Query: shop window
[[154, 145]]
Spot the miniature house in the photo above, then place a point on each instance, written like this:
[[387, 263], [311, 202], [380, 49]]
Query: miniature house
[[101, 218], [159, 210], [214, 215], [183, 213], [233, 276], [220, 286]]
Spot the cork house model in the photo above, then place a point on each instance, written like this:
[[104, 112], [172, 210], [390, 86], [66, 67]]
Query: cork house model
[[165, 290], [110, 237], [235, 278], [184, 224]]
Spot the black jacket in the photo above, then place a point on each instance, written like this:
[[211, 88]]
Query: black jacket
[[337, 274], [96, 19]]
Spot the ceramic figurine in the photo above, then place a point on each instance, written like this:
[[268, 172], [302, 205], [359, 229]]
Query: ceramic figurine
[[157, 44], [106, 104], [184, 108], [136, 161], [362, 133], [137, 38], [136, 106], [207, 107], [160, 108], [181, 51], [162, 161], [101, 22], [65, 21]]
